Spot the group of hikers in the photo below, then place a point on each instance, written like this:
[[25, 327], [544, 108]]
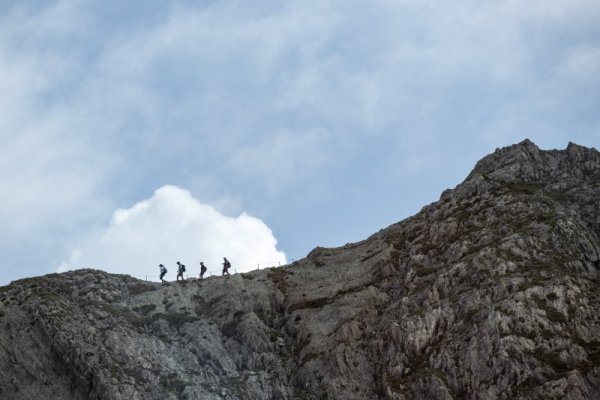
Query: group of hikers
[[181, 269]]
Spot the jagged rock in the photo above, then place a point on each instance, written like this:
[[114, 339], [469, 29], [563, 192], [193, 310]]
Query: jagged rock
[[489, 293]]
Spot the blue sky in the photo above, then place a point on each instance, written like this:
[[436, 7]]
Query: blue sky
[[195, 129]]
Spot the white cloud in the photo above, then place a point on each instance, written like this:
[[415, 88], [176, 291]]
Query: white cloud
[[52, 168], [173, 226]]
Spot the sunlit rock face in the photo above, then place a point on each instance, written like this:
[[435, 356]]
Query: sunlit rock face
[[490, 293]]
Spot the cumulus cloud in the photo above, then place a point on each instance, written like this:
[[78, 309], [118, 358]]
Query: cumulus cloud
[[173, 226]]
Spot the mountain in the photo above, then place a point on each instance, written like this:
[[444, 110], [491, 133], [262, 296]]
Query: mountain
[[492, 292]]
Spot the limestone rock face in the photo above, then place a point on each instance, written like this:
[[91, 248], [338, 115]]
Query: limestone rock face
[[490, 293]]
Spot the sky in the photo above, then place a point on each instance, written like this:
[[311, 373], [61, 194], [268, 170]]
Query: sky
[[137, 133]]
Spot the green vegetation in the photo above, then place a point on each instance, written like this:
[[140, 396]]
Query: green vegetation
[[267, 317], [551, 313], [552, 296], [395, 384], [592, 174], [145, 309], [394, 258], [176, 320], [506, 311], [230, 329], [557, 196], [547, 334], [524, 389], [173, 384], [462, 215], [426, 371], [524, 187], [278, 277], [309, 357], [316, 303], [204, 307], [238, 386], [424, 271], [420, 369], [301, 345], [551, 359], [140, 287], [273, 335], [470, 315]]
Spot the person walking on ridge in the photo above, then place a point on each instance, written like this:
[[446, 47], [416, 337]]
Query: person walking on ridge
[[226, 266], [202, 269], [180, 271], [163, 271]]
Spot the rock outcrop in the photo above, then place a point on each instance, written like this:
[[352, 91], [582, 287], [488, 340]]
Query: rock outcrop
[[490, 293]]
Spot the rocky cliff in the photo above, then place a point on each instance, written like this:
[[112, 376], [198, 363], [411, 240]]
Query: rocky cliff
[[490, 293]]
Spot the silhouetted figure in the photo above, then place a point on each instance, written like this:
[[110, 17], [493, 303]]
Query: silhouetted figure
[[180, 271], [202, 269], [163, 271], [226, 266]]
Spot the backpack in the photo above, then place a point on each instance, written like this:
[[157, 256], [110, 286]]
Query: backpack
[[182, 268]]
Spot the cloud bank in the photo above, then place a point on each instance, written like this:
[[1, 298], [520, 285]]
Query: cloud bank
[[173, 226], [300, 112]]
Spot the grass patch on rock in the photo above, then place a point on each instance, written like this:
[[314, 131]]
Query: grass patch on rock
[[551, 313], [278, 277], [524, 187]]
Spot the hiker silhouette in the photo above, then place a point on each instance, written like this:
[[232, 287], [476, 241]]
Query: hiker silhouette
[[180, 271], [226, 266], [202, 269], [163, 271]]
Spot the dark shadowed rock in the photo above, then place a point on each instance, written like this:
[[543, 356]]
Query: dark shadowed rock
[[490, 293]]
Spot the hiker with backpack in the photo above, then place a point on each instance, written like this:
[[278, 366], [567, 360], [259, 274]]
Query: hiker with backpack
[[163, 271], [180, 271], [226, 266], [202, 269]]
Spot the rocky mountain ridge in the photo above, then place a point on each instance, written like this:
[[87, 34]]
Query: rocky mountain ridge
[[490, 293]]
